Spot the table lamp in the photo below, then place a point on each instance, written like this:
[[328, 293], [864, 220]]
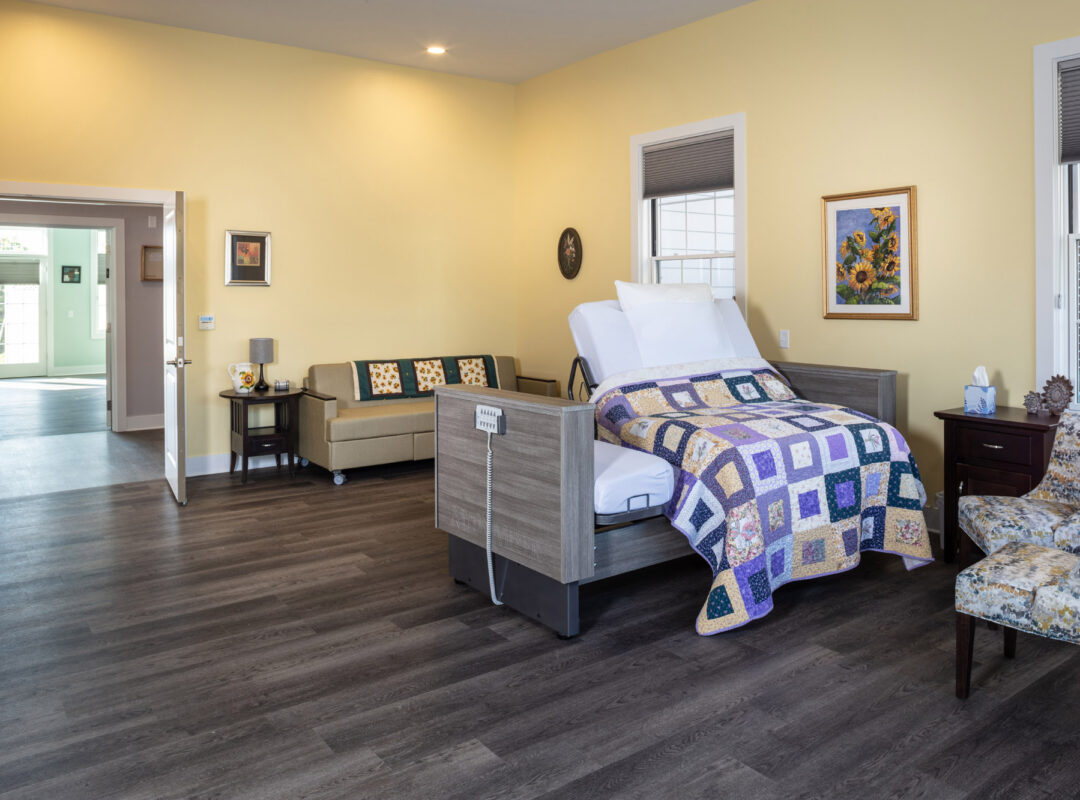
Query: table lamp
[[261, 352]]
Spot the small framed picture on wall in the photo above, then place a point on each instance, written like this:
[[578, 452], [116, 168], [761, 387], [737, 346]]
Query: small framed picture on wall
[[247, 258], [70, 274], [153, 263]]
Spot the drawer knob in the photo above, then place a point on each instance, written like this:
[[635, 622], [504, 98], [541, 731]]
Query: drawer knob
[[993, 446]]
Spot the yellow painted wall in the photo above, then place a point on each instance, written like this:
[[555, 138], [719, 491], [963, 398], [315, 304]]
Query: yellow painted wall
[[386, 189], [839, 96], [416, 213]]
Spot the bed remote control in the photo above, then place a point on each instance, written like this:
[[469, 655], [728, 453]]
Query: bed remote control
[[490, 419]]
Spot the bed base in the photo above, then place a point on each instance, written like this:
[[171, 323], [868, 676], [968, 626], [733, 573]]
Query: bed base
[[546, 545], [618, 549]]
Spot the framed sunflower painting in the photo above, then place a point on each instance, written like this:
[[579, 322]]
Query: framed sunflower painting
[[869, 254]]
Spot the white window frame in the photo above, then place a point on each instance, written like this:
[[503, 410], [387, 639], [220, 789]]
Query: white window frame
[[640, 242], [1054, 296]]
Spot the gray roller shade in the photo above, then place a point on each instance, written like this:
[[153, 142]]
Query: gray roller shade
[[1069, 110], [698, 164], [19, 272]]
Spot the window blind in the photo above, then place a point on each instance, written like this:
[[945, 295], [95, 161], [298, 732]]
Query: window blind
[[19, 272], [697, 164], [1069, 110]]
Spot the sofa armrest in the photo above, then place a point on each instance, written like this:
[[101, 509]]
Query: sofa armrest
[[315, 411], [545, 387]]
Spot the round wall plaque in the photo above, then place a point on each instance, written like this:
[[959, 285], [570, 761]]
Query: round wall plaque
[[569, 253]]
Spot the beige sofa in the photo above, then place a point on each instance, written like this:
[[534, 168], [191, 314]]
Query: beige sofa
[[338, 432]]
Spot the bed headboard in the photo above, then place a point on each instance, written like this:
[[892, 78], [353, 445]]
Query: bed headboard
[[871, 391]]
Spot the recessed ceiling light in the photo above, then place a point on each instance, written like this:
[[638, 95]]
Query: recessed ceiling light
[[435, 50]]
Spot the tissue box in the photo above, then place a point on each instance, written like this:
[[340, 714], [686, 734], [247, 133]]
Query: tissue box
[[980, 399]]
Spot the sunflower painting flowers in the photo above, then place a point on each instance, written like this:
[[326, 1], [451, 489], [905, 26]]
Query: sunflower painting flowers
[[869, 242]]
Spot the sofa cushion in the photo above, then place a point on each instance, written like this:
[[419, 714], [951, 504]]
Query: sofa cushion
[[390, 419]]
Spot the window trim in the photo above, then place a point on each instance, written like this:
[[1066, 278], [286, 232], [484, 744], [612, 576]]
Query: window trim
[[1052, 294], [640, 249]]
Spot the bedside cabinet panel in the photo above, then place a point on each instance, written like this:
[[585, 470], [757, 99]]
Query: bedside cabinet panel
[[1003, 454], [980, 480], [980, 444]]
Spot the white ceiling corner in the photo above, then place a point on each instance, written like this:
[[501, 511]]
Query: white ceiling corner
[[500, 40]]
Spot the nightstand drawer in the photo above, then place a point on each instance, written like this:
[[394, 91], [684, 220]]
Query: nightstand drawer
[[979, 444]]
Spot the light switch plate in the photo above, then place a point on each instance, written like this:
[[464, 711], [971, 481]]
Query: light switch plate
[[785, 338]]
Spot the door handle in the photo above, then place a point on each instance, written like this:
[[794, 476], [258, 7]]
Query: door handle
[[994, 446], [175, 362]]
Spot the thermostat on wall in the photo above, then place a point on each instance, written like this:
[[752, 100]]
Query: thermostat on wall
[[206, 322]]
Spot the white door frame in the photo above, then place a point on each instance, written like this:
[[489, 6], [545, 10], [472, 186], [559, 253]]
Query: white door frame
[[105, 194], [117, 319]]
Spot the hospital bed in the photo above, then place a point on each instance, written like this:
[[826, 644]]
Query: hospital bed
[[565, 509]]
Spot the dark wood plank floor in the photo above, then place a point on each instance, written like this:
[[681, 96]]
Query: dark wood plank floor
[[51, 406], [294, 639]]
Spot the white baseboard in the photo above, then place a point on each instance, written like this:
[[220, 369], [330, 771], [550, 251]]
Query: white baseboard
[[85, 369], [143, 422], [219, 462]]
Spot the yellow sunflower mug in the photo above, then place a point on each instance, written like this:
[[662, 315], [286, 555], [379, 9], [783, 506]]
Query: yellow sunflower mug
[[243, 376]]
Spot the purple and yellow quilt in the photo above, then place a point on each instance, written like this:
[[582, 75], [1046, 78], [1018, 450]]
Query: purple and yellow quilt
[[769, 488]]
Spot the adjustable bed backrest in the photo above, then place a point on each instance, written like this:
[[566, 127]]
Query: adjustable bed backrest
[[605, 340]]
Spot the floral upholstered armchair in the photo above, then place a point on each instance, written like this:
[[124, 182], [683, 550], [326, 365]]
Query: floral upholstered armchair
[[1048, 515]]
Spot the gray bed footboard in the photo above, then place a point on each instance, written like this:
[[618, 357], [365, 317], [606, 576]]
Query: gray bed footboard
[[871, 391]]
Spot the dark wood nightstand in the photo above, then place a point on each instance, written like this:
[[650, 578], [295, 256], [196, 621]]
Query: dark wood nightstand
[[281, 437], [1004, 453]]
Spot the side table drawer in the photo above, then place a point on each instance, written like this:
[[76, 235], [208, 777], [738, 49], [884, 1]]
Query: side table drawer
[[979, 444]]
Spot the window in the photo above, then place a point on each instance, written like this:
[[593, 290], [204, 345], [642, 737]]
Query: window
[[689, 205], [21, 252], [693, 240], [1057, 211]]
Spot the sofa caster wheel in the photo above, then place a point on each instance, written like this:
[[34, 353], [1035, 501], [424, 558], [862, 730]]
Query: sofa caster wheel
[[339, 478], [304, 462]]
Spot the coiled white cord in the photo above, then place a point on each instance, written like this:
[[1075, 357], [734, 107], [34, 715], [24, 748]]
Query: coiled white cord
[[487, 528]]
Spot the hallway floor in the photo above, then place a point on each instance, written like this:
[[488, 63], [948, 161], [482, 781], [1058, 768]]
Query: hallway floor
[[53, 437], [52, 406]]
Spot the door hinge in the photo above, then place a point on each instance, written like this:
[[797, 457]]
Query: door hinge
[[108, 405], [107, 270]]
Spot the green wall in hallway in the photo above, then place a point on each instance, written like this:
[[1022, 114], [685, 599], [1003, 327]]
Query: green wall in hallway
[[73, 345]]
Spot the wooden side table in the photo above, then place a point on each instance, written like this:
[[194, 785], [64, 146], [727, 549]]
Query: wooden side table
[[281, 437], [1004, 453]]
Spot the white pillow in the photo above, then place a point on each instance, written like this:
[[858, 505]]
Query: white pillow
[[634, 295], [676, 333]]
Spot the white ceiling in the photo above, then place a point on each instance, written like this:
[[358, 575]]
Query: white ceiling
[[501, 40]]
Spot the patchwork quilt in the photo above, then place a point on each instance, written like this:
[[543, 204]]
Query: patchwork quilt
[[769, 488]]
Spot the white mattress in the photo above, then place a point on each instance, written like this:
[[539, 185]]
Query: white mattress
[[628, 480]]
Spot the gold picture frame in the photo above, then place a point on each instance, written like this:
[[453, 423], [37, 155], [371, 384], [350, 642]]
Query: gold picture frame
[[870, 255], [152, 264]]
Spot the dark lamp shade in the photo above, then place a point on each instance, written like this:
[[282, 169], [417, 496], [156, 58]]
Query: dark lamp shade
[[262, 351]]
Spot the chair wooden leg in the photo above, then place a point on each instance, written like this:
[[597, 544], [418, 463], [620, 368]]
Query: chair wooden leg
[[1010, 642], [965, 644]]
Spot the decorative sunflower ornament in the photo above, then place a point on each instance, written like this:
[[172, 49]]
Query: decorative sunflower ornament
[[1058, 393], [1033, 402]]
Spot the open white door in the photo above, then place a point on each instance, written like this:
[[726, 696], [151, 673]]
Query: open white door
[[173, 290]]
